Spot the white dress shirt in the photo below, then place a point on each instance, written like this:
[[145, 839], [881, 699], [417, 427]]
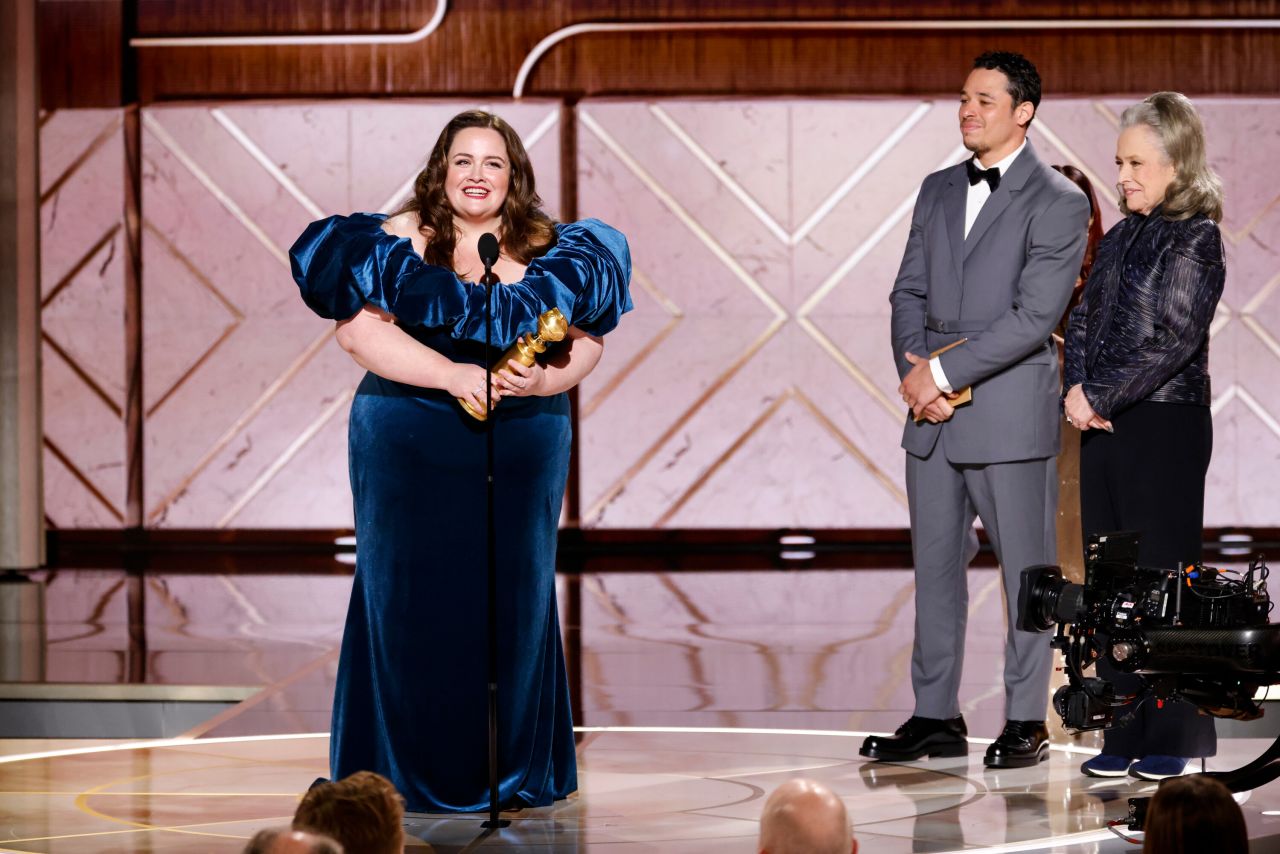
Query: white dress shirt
[[978, 195]]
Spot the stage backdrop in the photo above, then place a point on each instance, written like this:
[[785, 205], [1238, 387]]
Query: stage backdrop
[[752, 386]]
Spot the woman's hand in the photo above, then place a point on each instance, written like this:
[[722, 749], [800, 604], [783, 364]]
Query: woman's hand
[[466, 382], [516, 380], [1080, 414]]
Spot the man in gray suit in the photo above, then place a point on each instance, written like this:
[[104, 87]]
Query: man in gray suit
[[993, 253]]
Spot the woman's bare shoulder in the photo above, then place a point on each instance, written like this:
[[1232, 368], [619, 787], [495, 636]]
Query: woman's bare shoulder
[[402, 225]]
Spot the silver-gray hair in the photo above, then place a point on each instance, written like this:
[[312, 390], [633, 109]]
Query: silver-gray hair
[[1195, 188]]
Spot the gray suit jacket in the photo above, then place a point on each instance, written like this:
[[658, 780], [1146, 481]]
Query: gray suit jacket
[[1004, 288]]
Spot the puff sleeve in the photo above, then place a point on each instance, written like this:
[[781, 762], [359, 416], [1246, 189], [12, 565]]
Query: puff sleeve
[[342, 263]]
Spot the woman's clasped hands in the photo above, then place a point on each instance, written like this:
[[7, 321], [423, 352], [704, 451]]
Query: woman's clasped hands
[[1080, 414], [466, 382]]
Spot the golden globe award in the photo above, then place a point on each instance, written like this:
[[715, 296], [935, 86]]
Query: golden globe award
[[552, 327]]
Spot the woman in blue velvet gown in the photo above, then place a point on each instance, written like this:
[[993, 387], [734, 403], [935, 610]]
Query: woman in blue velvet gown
[[410, 701]]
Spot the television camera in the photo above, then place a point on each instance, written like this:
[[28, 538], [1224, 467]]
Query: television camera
[[1193, 633]]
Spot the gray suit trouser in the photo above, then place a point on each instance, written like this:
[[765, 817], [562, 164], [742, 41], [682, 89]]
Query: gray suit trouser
[[1017, 503]]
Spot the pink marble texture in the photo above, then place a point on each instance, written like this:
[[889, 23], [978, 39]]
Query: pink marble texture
[[246, 400], [82, 263], [219, 630], [86, 626], [802, 429], [808, 649], [752, 386], [688, 648]]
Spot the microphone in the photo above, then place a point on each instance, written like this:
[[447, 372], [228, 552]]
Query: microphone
[[488, 248]]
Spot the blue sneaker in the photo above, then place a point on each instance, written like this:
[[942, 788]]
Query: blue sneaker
[[1158, 767], [1106, 765]]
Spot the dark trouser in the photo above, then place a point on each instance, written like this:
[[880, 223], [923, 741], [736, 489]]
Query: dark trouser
[[1149, 477]]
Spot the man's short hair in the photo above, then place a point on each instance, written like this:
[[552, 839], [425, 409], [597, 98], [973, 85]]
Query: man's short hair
[[364, 812], [1024, 80], [264, 842]]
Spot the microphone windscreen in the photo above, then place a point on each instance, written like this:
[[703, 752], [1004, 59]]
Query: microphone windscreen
[[488, 248]]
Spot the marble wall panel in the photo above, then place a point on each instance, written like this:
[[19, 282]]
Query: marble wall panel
[[789, 216], [246, 392], [752, 386], [82, 318]]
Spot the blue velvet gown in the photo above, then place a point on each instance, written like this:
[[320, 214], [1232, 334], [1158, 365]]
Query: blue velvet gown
[[410, 701]]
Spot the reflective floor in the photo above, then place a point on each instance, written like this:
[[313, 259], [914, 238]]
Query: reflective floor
[[697, 693], [814, 649], [692, 790]]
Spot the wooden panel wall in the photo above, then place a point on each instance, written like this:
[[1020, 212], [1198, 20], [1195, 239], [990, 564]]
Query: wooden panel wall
[[479, 47], [82, 47]]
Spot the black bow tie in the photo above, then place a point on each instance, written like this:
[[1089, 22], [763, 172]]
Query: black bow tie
[[991, 176]]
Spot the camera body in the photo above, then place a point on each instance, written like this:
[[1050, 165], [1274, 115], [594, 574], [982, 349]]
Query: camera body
[[1118, 593], [1087, 707], [1194, 633]]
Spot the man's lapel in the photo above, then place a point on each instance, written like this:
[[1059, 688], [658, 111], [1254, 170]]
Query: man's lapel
[[1010, 183], [953, 203]]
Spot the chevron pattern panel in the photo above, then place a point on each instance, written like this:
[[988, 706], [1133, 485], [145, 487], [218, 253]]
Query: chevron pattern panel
[[753, 387], [82, 318], [246, 393]]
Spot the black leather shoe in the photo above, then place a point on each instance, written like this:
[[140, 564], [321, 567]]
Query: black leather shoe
[[1021, 745], [919, 737]]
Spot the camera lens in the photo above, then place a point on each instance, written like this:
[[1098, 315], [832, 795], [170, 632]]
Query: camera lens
[[1070, 603], [1038, 596]]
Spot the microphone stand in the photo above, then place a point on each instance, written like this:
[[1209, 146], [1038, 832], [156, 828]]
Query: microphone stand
[[490, 280]]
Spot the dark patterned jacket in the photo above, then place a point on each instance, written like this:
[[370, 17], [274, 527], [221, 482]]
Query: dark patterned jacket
[[1141, 330]]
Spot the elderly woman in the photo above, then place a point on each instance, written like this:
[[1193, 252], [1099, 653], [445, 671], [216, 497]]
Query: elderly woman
[[1137, 385], [410, 700]]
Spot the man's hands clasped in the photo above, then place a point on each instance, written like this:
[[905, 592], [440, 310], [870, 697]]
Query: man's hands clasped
[[922, 394]]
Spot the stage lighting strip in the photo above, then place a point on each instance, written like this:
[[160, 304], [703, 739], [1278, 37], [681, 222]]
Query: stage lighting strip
[[1030, 845]]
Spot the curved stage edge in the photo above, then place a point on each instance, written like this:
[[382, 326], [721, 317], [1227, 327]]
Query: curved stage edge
[[675, 789]]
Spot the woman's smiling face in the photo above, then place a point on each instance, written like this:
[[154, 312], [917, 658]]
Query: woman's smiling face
[[479, 174], [1144, 172]]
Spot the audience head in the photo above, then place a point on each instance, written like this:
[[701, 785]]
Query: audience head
[[281, 840], [805, 817], [1193, 814], [364, 812]]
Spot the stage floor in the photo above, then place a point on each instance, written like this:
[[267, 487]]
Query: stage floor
[[698, 694], [642, 789]]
